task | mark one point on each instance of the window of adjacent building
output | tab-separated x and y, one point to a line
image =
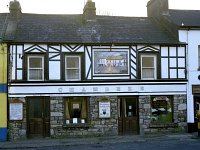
75	110
35	68
72	68
199	57
162	109
148	67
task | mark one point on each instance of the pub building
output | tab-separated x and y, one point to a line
87	74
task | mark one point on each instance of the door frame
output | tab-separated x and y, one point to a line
122	118
45	119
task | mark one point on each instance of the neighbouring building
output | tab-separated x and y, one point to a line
87	74
3	80
186	25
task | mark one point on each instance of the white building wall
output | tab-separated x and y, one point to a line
192	37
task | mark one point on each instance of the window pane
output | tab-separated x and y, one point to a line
161	109
76	107
72	68
35	62
72	74
199	57
72	62
147	61
147	73
35	74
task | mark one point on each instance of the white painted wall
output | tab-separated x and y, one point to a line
94	89
55	62
192	37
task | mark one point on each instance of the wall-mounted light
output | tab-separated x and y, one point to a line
20	56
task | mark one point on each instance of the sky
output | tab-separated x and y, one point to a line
104	7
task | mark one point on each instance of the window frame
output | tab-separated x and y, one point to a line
79	68
28	65
155	58
171	103
82	65
71	101
198	58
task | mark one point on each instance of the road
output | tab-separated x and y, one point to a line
181	144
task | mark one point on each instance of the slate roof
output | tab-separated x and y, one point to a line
106	29
189	18
2	25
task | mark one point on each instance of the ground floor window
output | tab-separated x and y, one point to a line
162	109
75	111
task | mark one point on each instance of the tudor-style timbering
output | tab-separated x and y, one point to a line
170	61
173	58
99	65
116	79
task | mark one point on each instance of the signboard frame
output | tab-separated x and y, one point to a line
104	109
16	111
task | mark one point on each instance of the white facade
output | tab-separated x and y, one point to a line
171	65
192	38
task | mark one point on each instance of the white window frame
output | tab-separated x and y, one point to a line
155	67
198	57
28	69
79	68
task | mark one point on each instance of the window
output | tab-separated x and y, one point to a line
72	68
148	67
199	57
35	68
162	109
75	110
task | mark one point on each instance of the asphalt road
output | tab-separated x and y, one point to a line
181	144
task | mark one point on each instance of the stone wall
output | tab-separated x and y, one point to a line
17	129
179	123
95	125
107	126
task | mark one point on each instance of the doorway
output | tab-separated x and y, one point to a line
128	115
38	117
196	109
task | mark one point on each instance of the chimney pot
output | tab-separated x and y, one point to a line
156	8
89	11
15	9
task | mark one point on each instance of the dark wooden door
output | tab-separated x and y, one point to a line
196	109
38	117
128	119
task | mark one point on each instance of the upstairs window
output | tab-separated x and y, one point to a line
199	57
72	67
35	68
148	67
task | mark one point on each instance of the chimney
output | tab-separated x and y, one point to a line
14	18
156	8
89	11
15	9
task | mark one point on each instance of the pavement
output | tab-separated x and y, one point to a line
52	142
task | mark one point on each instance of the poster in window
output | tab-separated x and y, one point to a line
16	111
104	109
